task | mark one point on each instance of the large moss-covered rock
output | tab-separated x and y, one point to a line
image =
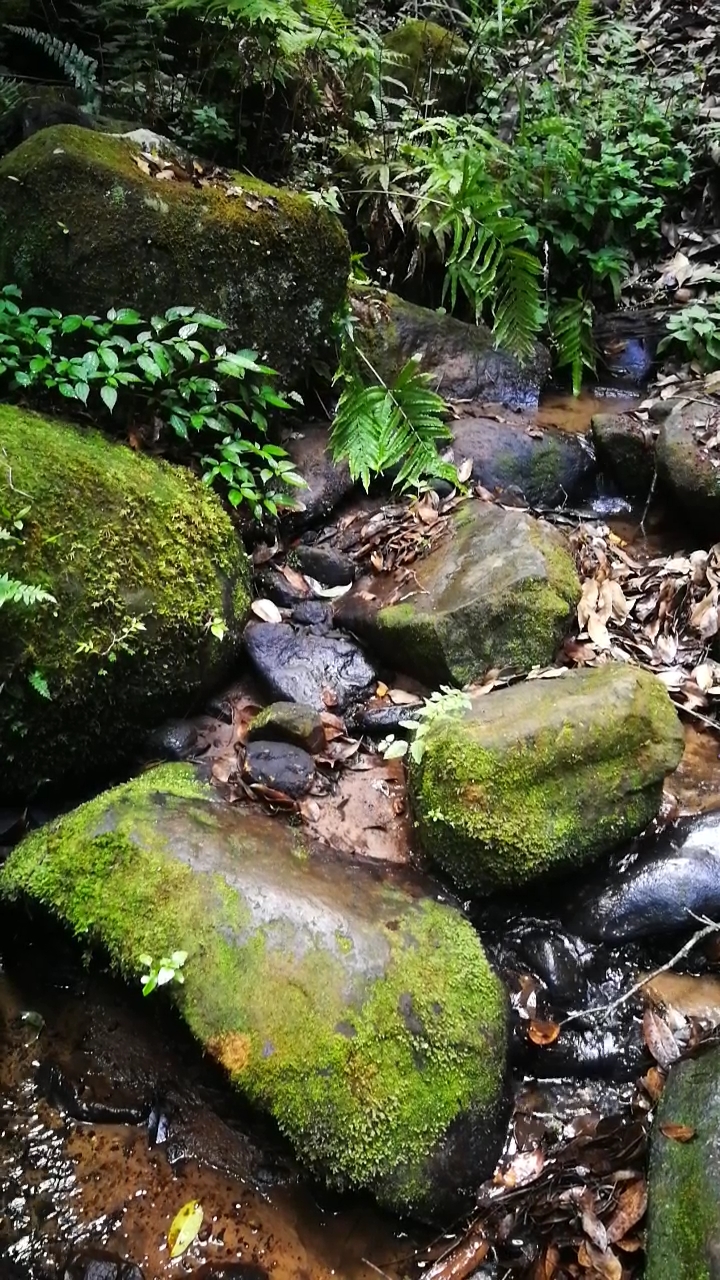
544	775
688	463
683	1236
461	359
82	227
362	1014
118	539
498	591
430	61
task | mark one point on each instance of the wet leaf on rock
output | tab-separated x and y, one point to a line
184	1228
632	1203
266	610
677	1132
659	1039
543	1033
460	1262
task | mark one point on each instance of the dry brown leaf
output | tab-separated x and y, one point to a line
602	1263
543	1033
525	1167
591	1224
704	617
659	1039
296	580
382	690
588	602
598	632
463	1260
401	698
632	1203
464	471
677	1132
266	610
653	1082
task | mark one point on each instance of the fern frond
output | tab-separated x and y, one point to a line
571	328
37	681
12	591
11	94
79	67
517	309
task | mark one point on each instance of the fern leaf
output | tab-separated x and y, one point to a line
38	682
14	592
571	330
79	67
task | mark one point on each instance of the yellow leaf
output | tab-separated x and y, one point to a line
184	1228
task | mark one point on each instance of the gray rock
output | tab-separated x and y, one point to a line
667	877
289	722
625	451
325	672
689	469
545	470
173	740
324	564
462	359
313	613
498	591
328	482
270	583
683	1230
305	975
279	765
543	776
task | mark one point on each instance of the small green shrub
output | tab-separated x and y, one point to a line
444	704
696	330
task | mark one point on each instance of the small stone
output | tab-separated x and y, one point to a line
313	613
271	584
289	722
376	721
173	740
688	469
97	1265
331	568
328	673
281	766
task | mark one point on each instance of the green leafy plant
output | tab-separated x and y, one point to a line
79	67
161	972
444	704
696	331
15	592
157	371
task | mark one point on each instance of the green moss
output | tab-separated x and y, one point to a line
84	227
364	1073
114	536
550	784
431	60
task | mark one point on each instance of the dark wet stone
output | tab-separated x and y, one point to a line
559	960
328	482
96	1265
230	1271
687	469
461	359
626	451
289	722
281	766
325	672
627	344
583	1053
313	613
61	1092
174	740
331	568
683	1229
669	876
271	584
545	469
376	721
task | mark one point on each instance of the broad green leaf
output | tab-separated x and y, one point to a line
184	1228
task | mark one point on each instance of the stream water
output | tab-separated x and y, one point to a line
111	1120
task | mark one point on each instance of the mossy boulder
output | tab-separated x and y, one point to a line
498	591
118	539
84	228
543	776
688	463
430	61
626	452
358	1011
289	722
461	359
683	1230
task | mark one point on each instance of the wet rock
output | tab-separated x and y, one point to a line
313	613
281	766
499	591
543	776
331	568
327	482
151	545
289	722
96	1265
231	1271
670	875
688	468
462	359
683	1230
379	720
611	1053
546	468
558	960
327	673
174	740
271	584
627	344
305	974
625	451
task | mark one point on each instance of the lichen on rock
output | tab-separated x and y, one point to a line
118	539
545	775
83	226
362	1014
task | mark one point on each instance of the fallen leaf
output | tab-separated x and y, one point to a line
401	698
659	1039
525	1167
543	1033
602	1263
461	1261
677	1132
381	690
598	632
266	610
184	1228
632	1203
653	1082
464	471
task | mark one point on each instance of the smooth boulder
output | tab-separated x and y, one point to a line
461	359
499	590
545	467
139	555
289	722
625	451
83	227
353	1006
683	1224
669	876
325	672
688	463
541	777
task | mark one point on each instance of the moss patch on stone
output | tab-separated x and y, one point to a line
114	536
83	227
537	778
365	1069
431	60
